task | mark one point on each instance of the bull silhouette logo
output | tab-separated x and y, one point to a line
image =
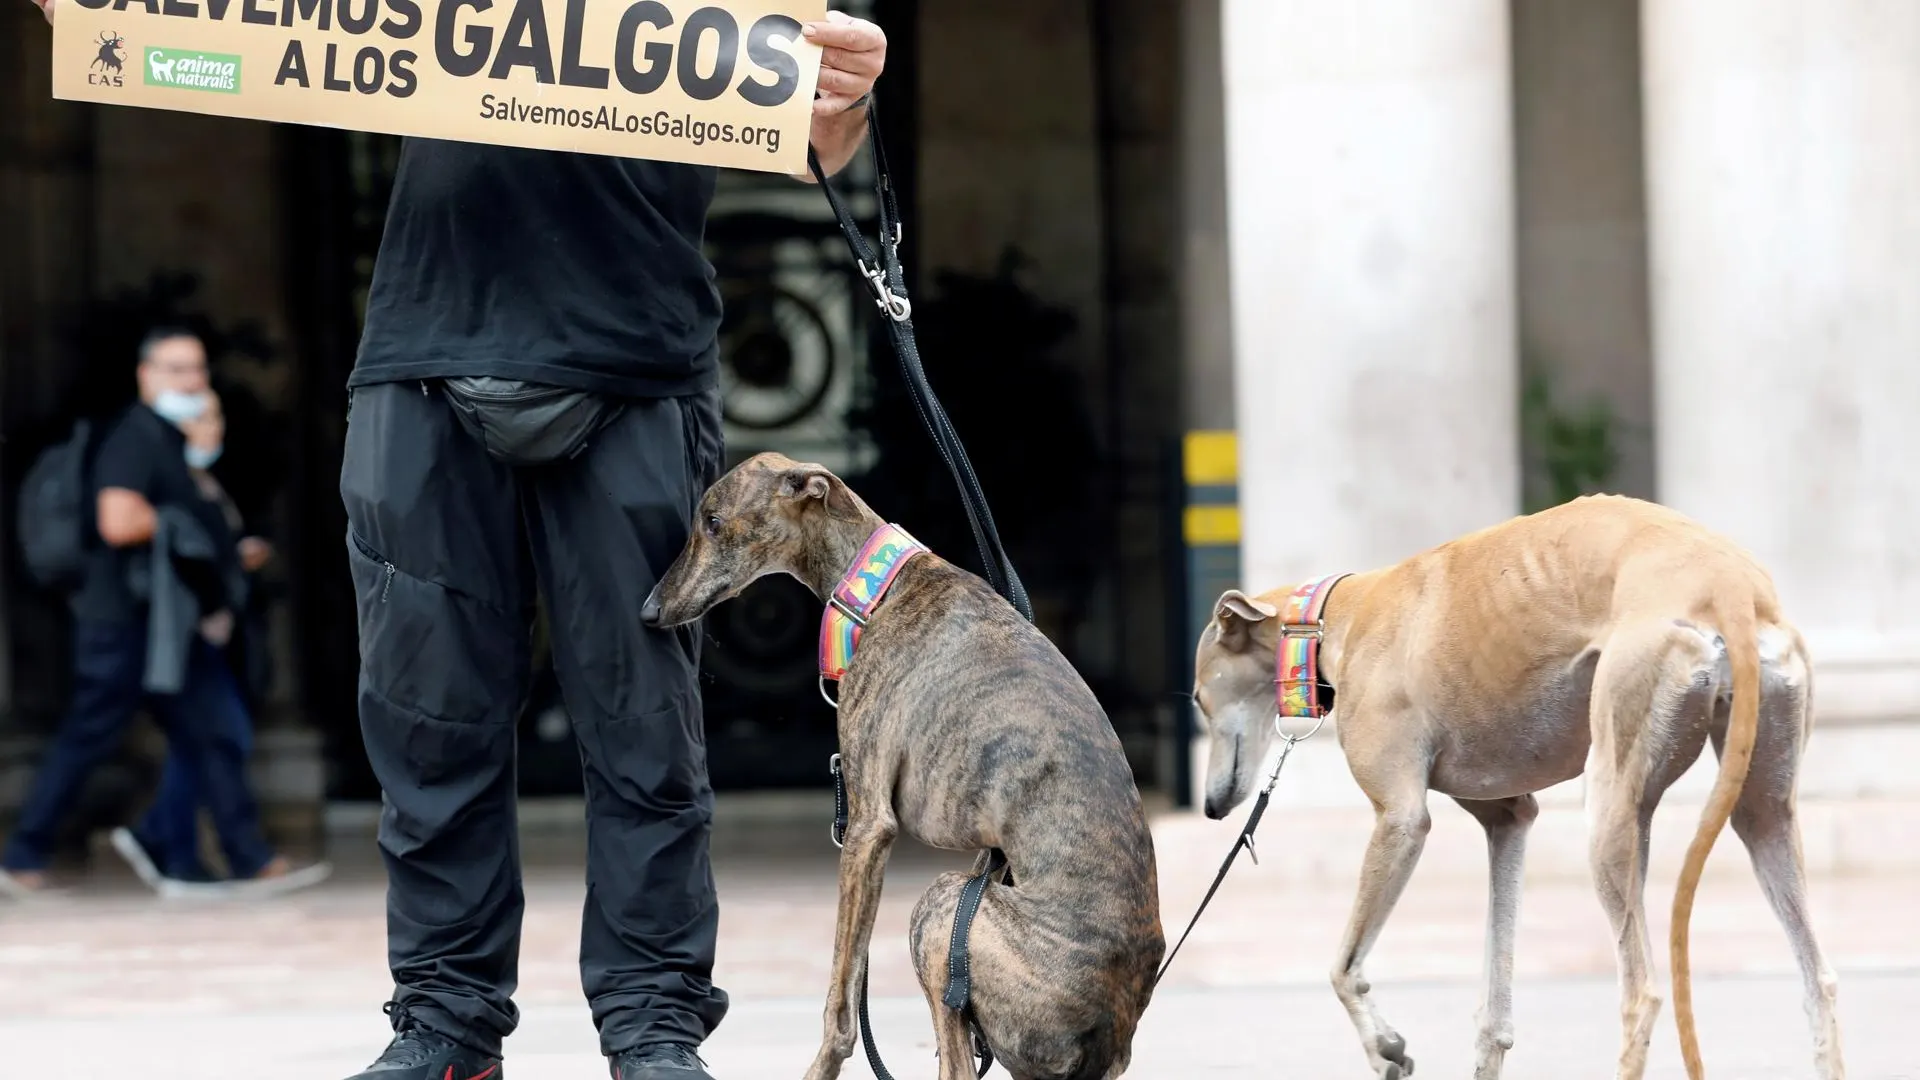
109	59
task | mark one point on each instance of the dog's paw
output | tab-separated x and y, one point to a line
1392	1049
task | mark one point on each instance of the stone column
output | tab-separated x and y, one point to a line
1783	164
1370	206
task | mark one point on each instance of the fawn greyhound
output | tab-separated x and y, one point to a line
1606	635
962	724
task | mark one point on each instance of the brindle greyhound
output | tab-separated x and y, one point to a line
962	724
1606	635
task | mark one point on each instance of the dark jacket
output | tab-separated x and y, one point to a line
174	606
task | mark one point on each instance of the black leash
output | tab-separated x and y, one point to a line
885	278
1244	840
960	960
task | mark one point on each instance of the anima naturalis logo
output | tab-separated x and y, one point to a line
183	70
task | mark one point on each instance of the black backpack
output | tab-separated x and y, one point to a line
55	515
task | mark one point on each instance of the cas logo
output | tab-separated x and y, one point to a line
108	61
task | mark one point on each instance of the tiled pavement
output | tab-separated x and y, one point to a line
198	989
1751	1030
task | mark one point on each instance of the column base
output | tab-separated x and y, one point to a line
1863	679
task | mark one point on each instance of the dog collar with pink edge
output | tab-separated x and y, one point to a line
1296	673
860	590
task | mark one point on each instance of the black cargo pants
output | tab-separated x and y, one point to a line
446	546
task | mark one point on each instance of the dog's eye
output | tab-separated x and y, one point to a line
713	525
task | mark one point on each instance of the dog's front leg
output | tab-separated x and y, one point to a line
1399	833
863	862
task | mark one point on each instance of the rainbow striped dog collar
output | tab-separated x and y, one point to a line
1297	661
860	590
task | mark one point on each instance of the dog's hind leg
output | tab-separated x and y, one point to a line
1652	700
1400	827
1766	821
1506	822
930	932
1044	1017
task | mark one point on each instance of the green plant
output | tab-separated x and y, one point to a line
1568	452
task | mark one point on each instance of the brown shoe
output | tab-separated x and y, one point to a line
281	876
24	884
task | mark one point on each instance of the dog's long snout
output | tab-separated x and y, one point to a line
650	610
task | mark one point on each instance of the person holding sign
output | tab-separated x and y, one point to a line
535	403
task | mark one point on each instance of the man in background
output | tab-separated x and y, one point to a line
164	846
141	473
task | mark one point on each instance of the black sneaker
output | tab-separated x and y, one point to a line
659	1061
420	1053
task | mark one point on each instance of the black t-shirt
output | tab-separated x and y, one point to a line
574	270
142	452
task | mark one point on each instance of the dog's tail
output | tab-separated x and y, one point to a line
1739	627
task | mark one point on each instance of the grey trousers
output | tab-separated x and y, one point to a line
447	546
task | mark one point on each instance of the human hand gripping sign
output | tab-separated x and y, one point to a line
853	53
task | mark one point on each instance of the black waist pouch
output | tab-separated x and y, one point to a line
523	423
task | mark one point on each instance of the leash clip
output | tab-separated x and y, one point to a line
897	307
836	830
1288	741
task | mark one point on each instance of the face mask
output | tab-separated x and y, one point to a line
203	457
179	408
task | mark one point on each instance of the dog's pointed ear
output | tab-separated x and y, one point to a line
1235	613
806	482
813	482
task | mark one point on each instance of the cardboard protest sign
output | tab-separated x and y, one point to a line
710	82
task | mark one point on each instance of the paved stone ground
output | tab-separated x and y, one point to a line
107	975
1752	1030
